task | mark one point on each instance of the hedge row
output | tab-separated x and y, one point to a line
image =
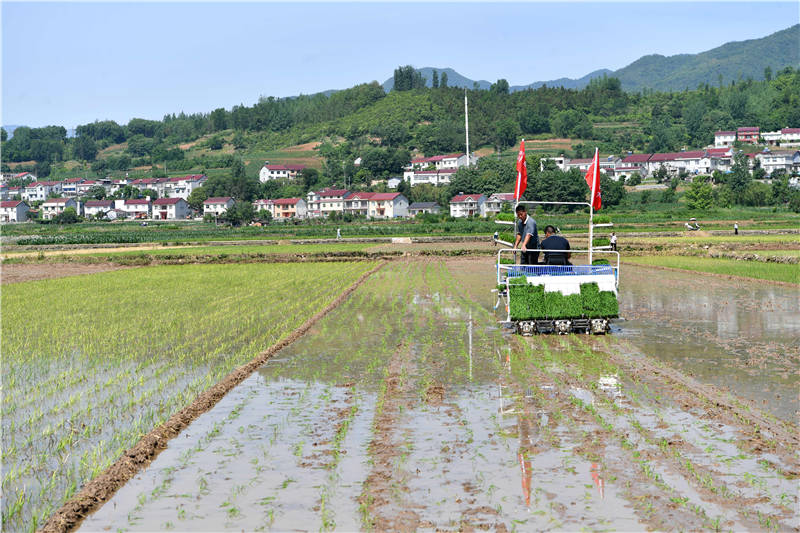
529	302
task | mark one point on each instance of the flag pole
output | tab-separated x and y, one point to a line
595	177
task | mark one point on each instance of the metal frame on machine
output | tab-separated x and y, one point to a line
555	270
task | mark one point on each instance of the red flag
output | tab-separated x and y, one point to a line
522	172
593	180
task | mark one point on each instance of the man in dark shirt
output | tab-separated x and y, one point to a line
527	237
555	242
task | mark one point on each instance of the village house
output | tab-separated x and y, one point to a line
27	176
724	138
494	204
10	193
55	206
93	208
440	162
388	205
272	172
264	205
357	203
468	205
181	186
217	205
783	137
636	161
418	208
170	209
134	207
325	202
40	190
747	134
69	187
560	162
434	177
788	160
13	211
289	208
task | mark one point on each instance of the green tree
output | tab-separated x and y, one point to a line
196	198
67	216
740	177
435	80
96	192
443	82
84	148
240	213
700	194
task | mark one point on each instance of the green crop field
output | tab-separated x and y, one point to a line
748	269
138	345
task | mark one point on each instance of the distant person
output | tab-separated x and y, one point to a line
736	228
613	241
559	246
527	237
338	234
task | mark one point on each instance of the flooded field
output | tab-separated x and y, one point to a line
409	408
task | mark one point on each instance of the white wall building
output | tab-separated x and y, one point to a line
13	211
724	138
466	205
170	209
40	190
95	207
388	205
433	177
494	204
56	206
272	172
787	160
217	205
136	207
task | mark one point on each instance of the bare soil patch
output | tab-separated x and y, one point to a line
307	147
16	273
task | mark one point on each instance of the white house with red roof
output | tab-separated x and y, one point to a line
13	211
134	207
170	209
724	138
217	205
494	204
434	177
783	137
468	205
637	161
747	134
40	190
55	206
93	208
439	162
276	171
388	205
69	187
9	193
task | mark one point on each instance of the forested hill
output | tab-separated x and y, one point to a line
734	61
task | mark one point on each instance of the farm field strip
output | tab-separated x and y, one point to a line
749	269
126	374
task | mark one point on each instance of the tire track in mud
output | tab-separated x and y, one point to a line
100	489
600	444
382	502
674	454
718	404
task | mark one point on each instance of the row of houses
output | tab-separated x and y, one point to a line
175	187
752	135
436	170
693	162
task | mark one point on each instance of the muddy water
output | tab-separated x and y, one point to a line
409	408
738	335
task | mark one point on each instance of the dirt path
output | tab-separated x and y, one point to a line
16	273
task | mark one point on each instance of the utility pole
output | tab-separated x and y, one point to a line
466	123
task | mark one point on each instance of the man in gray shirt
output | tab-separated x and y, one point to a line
527	237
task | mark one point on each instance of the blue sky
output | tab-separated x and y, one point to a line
73	63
